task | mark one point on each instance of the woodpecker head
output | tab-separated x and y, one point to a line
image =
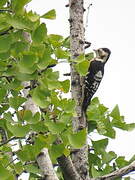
103	54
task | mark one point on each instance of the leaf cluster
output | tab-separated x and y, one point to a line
27	53
104	122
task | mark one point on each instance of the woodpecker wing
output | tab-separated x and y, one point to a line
92	81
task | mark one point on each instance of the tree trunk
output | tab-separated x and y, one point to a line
80	158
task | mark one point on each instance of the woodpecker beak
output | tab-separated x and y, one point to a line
96	52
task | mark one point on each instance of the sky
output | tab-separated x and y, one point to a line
110	24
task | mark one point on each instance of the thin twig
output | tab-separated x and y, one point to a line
6	31
10	162
87	21
67	74
87	16
118	173
11	139
5	10
88	44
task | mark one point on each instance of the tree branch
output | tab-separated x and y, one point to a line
118	173
45	165
43	159
5	10
68	169
3	135
80	158
6	31
11	139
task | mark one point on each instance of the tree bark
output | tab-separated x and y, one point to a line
118	173
68	169
43	159
80	158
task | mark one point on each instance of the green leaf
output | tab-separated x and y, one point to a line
89	56
5	174
50	14
115	113
55	128
94	172
93	113
45	60
57	150
28	63
61	54
3	66
19	5
79	58
77	140
65	86
56	40
66	43
4	107
66	118
33	16
132	159
95	160
29	59
26	77
39	127
38	49
19	22
108	157
127	178
100	145
47	140
32	169
39	34
82	67
50	80
52	75
68	105
2	94
18	130
27	116
91	126
108	169
95	101
105	128
2	2
39	144
130	127
15	102
121	162
102	109
8	116
24	115
4	56
18	47
53	84
39	96
5	43
27	153
18	167
15	84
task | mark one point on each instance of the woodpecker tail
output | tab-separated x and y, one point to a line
85	104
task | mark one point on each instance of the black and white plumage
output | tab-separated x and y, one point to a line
95	75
